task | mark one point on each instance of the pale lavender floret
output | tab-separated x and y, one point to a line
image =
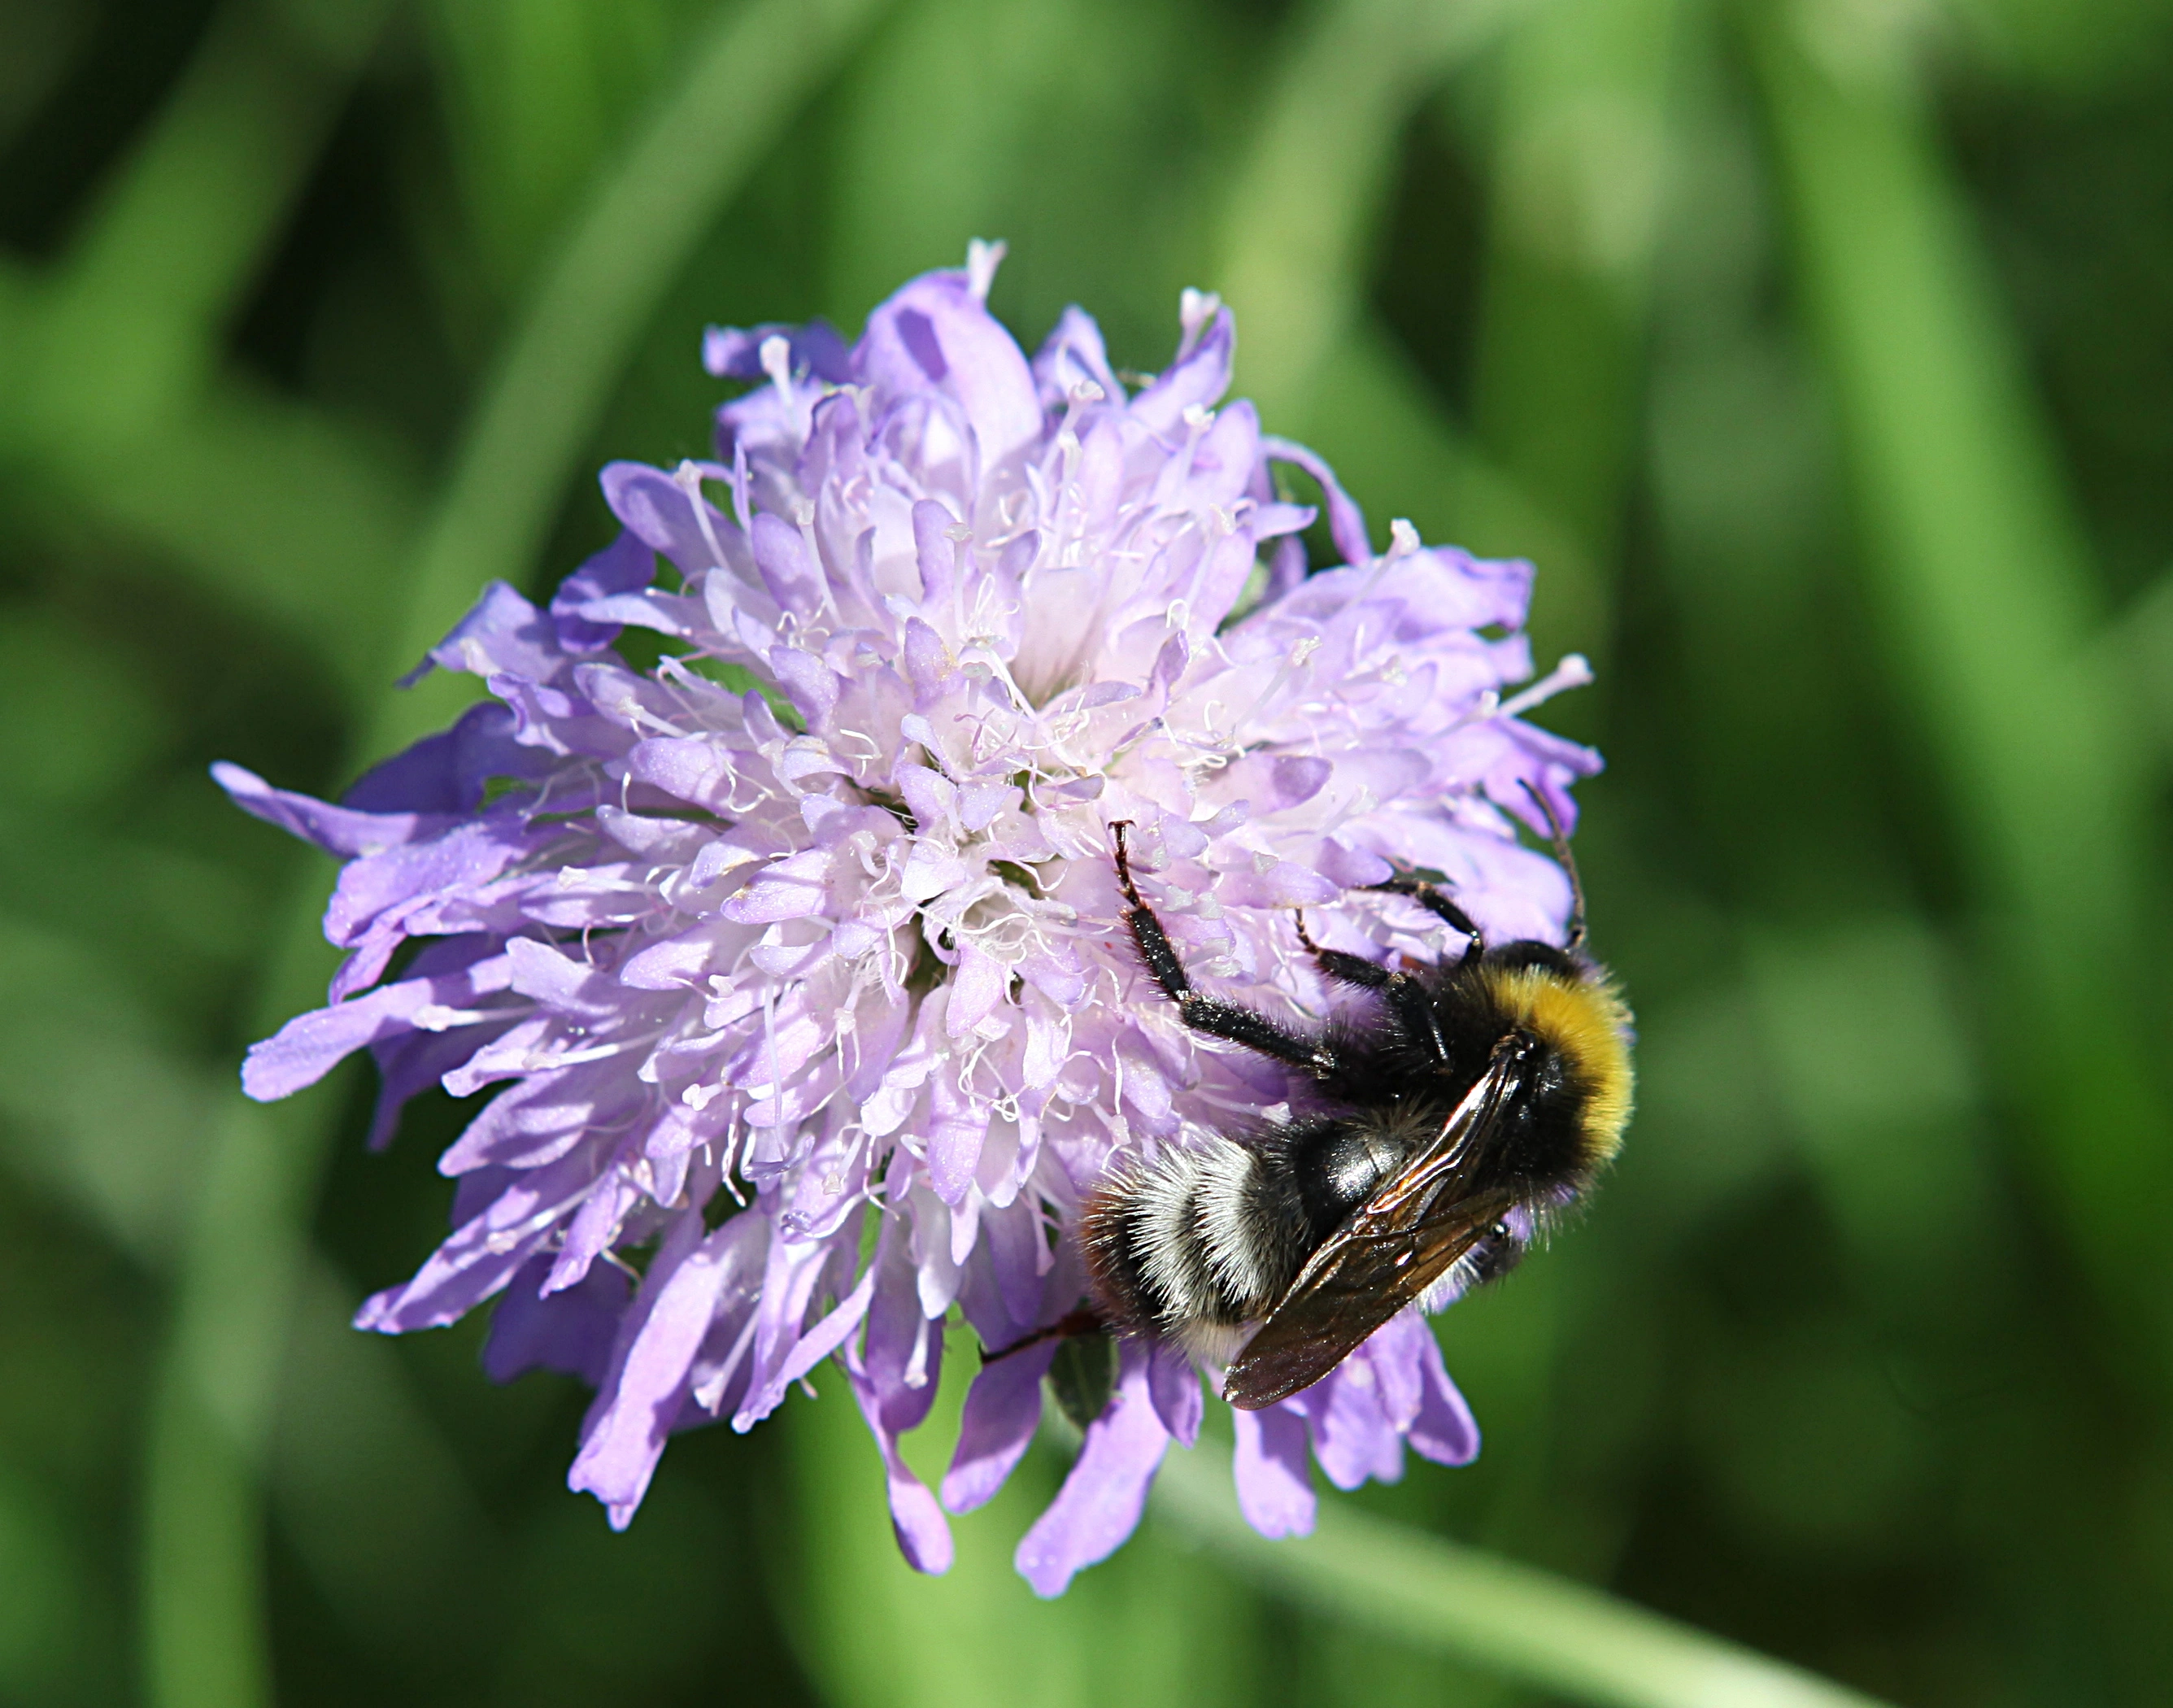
1273	1471
1100	1503
849	944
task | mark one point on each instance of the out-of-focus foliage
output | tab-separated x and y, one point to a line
1820	352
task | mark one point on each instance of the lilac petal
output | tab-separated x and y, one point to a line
936	333
812	685
446	772
1352	868
1285	884
1073	355
788	568
484	1251
894	1376
595	1226
1350	1438
902	1354
1299	778
718	1380
503	635
791	888
651	506
735	352
938	555
570	1331
623	1434
957	1130
1011	1287
1444	1431
792	1276
1174	1385
559	983
1346	522
311	1045
1393	1354
458	860
924	1535
817	1344
542	1118
1197	380
337	830
1100	1503
1003	1409
627	565
411	1062
1274	1473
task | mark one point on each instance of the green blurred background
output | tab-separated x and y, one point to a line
1820	353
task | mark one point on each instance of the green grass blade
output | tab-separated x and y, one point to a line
178	234
271	504
1581	145
744	81
1152	1627
204	1636
1988	607
1306	197
109	360
1566	1639
1294	234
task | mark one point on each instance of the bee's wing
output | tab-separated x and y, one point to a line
1393	1247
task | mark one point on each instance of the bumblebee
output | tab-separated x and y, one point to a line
1436	1132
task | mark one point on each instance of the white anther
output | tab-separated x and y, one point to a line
687	478
1195	309
776	354
982	260
1574	671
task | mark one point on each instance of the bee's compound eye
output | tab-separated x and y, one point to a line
1495	1255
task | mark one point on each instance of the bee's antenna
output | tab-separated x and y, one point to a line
1569	863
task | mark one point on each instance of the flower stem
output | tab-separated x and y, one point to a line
1529	1626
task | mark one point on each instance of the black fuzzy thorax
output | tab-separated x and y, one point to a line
1392	1090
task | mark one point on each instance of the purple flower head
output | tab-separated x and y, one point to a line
798	962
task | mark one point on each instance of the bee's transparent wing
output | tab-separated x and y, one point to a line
1393	1247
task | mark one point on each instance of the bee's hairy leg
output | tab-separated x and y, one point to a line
1431	897
1406	996
1345	968
1065	1327
1204	1014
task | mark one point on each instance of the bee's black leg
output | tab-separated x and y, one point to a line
1406	997
1204	1014
1347	969
1071	1323
1428	897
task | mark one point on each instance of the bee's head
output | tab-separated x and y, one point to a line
1568	1118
